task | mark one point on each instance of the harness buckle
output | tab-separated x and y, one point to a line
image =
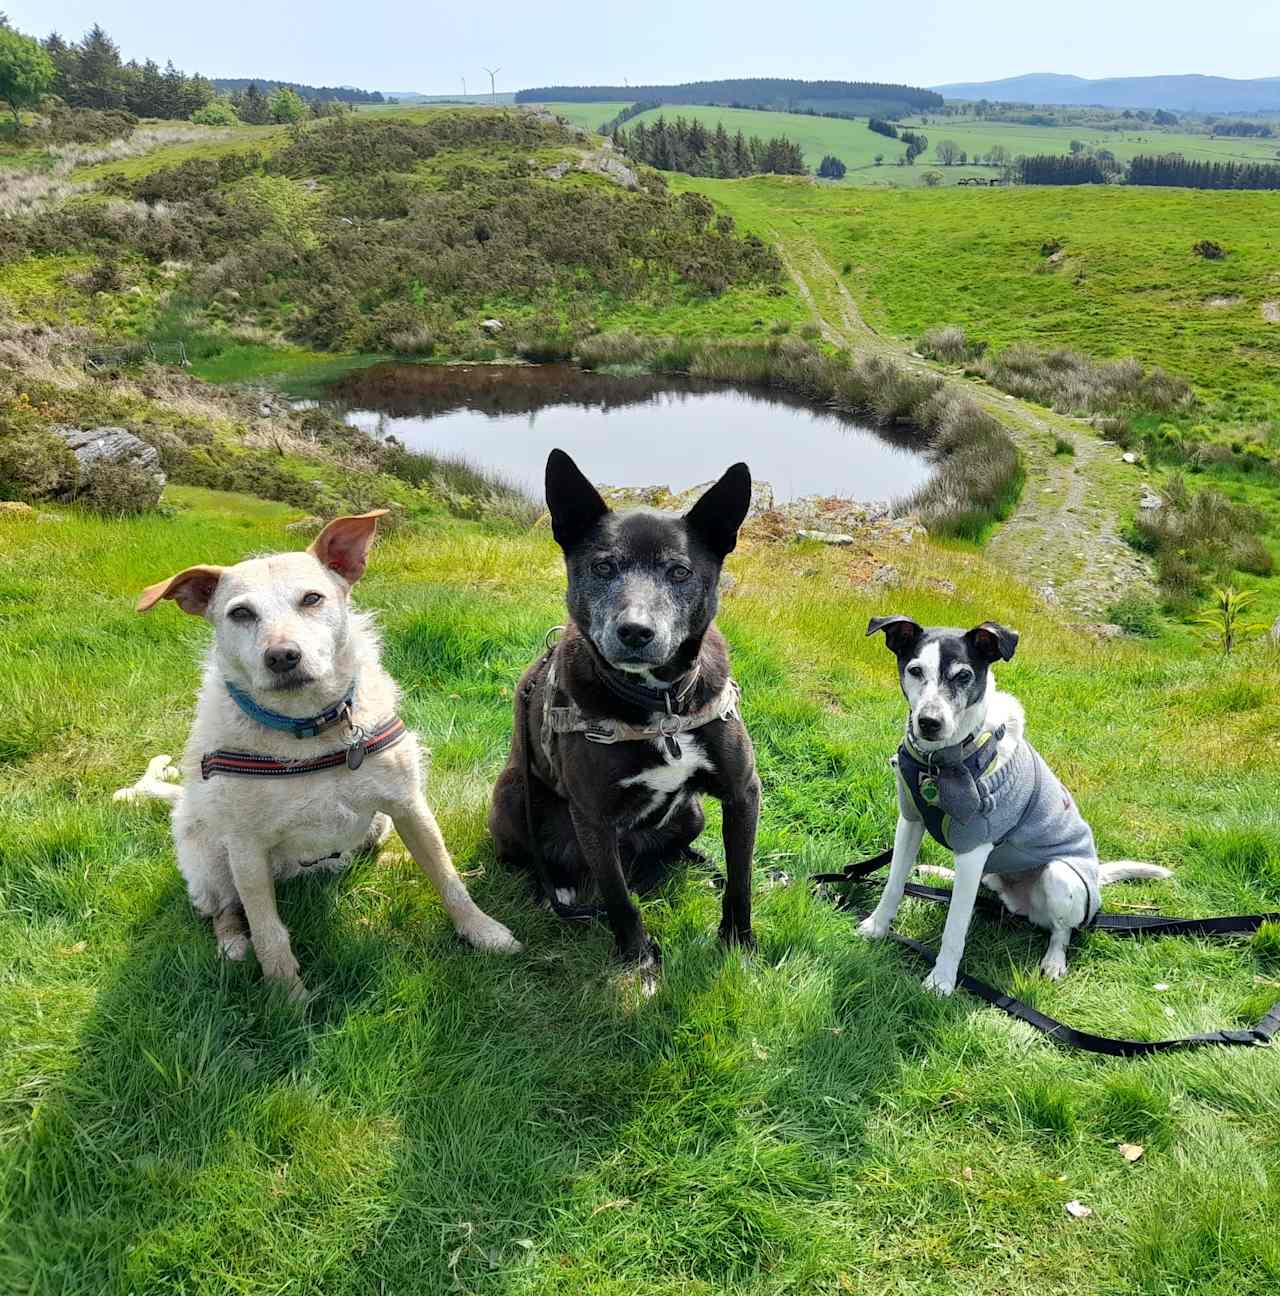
600	731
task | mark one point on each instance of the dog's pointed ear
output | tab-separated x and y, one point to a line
343	546
573	502
899	632
992	642
720	512
192	590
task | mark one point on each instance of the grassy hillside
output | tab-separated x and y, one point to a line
803	1121
1128	284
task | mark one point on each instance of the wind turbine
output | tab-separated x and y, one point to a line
464	87
493	72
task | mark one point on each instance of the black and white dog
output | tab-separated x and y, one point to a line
632	715
968	776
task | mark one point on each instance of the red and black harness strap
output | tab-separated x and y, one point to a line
1116	924
257	765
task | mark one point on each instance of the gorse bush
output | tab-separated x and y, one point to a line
384	257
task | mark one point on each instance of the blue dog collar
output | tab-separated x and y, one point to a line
298	726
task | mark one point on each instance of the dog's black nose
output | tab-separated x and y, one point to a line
634	634
282	658
929	726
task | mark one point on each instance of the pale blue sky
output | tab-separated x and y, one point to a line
395	45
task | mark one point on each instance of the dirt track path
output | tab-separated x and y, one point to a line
1063	538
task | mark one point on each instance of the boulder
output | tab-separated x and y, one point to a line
308	524
492	326
15	509
114	445
611	169
761	498
825	537
558	172
1129	457
1150	499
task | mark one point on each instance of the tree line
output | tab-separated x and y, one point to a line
748	92
233	86
1174	169
90	73
688	146
1060	169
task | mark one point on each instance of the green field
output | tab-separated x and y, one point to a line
804	1121
1129	283
587	115
856	146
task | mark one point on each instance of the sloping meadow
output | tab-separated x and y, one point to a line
804	1120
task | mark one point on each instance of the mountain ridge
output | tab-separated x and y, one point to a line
1185	92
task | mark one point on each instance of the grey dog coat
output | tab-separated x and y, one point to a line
968	796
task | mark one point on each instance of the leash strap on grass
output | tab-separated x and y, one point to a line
1116	924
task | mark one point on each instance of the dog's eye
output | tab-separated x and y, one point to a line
604	567
310	600
242	614
679	572
963	677
916	672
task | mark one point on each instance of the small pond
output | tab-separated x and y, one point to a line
625	430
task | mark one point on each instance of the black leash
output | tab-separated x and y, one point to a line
1116	924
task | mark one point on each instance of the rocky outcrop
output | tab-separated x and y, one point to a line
117	472
826	519
93	446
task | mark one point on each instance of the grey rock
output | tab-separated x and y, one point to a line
761	498
1129	457
611	169
15	508
825	537
306	524
559	171
93	446
1150	500
492	326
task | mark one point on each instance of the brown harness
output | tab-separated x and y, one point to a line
570	719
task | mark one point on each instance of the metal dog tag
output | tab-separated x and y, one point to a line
355	755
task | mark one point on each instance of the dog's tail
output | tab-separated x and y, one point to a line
1130	871
158	783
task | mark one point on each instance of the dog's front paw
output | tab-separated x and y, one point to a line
642	967
731	935
234	946
940	983
1053	967
491	936
873	928
282	973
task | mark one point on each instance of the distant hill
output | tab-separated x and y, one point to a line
346	94
861	97
1179	93
477	100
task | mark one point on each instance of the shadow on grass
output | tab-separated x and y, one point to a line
438	1120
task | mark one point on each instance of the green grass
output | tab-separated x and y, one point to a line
589	116
803	1121
856	146
1129	283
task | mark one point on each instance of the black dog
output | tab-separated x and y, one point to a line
632	715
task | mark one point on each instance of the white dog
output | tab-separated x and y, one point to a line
296	756
968	776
